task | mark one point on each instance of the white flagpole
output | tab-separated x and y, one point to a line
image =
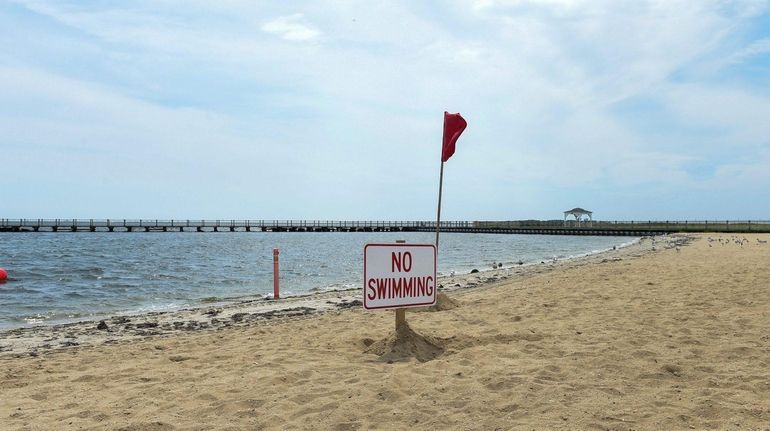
440	184
438	212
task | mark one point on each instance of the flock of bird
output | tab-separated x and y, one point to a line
741	241
668	242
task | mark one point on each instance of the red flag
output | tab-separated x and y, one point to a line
454	124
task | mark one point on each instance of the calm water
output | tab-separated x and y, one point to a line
60	276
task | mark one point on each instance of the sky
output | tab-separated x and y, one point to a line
333	110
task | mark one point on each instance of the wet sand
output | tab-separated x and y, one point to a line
674	338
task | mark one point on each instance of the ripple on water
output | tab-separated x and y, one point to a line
57	276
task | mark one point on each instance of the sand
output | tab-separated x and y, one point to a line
675	338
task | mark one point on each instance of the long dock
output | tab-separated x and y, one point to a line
138	225
531	227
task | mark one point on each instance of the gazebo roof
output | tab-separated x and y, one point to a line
578	211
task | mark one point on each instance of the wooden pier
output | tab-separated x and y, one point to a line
531	227
136	225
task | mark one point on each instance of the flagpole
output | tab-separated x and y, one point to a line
438	212
440	184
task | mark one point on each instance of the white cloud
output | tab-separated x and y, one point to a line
750	174
537	80
738	115
292	27
755	48
556	4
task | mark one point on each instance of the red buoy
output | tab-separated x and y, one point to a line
3	275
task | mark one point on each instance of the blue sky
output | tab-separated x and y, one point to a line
333	110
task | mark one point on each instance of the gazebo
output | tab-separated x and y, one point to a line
578	213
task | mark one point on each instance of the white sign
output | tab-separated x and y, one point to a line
399	275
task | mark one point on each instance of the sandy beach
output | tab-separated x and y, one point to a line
666	334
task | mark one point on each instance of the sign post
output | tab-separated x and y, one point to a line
400	312
400	317
276	276
399	276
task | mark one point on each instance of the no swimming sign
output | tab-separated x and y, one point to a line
399	275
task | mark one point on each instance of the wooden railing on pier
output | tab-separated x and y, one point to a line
670	226
130	225
542	227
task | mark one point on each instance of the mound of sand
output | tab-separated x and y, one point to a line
443	303
405	344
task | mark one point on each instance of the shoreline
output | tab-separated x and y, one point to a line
78	286
247	311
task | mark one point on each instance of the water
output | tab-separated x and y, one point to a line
62	276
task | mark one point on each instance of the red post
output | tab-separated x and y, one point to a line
276	276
